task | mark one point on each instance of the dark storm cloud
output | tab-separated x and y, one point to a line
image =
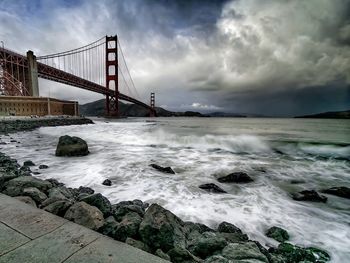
198	54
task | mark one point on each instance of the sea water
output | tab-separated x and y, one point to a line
281	155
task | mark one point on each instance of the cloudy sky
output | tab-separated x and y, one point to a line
273	57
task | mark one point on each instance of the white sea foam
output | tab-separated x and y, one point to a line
198	152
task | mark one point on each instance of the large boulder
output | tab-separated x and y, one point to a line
86	215
179	254
101	202
226	227
309	195
123	208
128	227
217	259
236	177
15	186
161	229
208	245
35	194
243	251
71	146
109	226
290	253
341	191
277	233
59	207
212	188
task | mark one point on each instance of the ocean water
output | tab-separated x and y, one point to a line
275	152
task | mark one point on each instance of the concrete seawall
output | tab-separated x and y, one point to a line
28	234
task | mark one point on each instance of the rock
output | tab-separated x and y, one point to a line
86	190
277	233
233	237
182	255
121	211
59	207
61	193
35	173
341	191
107	182
161	254
6	176
226	227
54	182
35	194
43	166
71	146
138	244
86	215
161	229
109	227
309	195
15	186
28	163
216	259
243	251
101	202
236	177
26	199
168	169
212	188
321	255
207	246
25	171
291	253
128	227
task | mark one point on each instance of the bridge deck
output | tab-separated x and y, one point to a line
28	234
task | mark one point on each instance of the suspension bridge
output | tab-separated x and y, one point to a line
98	67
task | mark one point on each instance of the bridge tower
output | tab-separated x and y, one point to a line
112	107
152	110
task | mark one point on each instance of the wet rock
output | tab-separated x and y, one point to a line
207	246
226	227
128	227
243	251
101	202
86	215
161	229
179	254
107	182
138	244
86	190
28	163
35	194
122	208
61	193
59	207
71	146
321	255
35	173
54	182
15	186
26	199
216	259
291	253
297	181
168	169
341	191
236	177
109	227
6	176
43	166
309	195
234	237
212	188
24	171
277	233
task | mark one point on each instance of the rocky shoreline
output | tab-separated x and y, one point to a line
149	227
8	125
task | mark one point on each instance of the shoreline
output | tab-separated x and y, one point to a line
150	228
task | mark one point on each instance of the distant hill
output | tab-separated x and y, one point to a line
97	108
226	114
329	115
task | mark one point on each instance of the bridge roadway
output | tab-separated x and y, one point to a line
31	235
54	74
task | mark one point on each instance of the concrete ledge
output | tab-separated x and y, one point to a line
28	234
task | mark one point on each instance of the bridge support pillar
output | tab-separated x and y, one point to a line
152	112
112	107
32	74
